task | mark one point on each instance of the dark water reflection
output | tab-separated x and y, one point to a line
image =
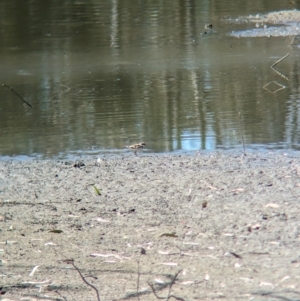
101	74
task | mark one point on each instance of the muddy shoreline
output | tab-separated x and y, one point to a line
229	223
274	24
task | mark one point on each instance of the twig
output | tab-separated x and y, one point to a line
154	292
71	261
279	73
170	288
12	90
277	62
172	282
242	132
61	295
138	281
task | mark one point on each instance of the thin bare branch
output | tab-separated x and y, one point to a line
71	261
57	292
138	281
172	282
17	94
277	62
154	292
279	73
169	296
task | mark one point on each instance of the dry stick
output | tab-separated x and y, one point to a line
169	297
154	292
12	90
280	60
279	73
170	288
242	132
138	281
171	284
277	62
61	295
71	261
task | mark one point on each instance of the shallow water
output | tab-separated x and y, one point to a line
101	75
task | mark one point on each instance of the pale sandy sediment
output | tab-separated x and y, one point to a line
245	241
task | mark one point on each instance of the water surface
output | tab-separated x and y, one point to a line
103	74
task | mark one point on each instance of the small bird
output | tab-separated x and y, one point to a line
136	147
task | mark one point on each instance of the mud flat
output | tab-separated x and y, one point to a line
228	223
287	23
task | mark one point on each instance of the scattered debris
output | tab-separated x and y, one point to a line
34	270
173	234
97	190
271	205
56	231
236	255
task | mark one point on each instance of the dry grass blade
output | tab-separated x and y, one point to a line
97	190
